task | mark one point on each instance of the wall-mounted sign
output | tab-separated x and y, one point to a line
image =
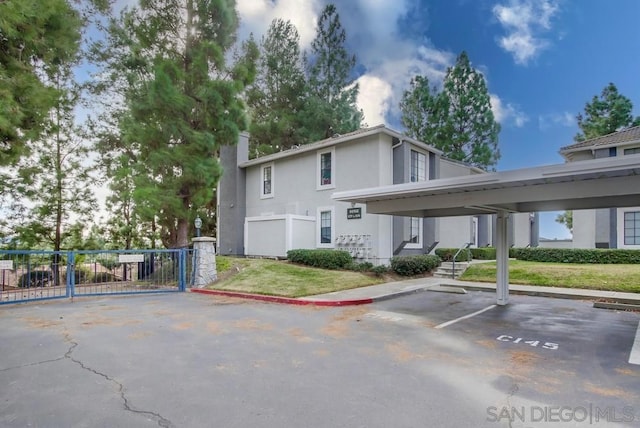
353	213
6	264
131	258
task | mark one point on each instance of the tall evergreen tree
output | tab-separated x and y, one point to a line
472	131
276	99
182	101
36	37
606	114
53	186
458	119
425	112
331	102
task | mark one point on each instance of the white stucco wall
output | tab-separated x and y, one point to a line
364	162
266	236
521	230
555	243
453	232
584	229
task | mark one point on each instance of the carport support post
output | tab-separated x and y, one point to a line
502	256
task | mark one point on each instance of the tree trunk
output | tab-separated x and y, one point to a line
182	238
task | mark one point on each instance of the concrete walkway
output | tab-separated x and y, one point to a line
374	293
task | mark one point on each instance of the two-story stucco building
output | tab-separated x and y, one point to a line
269	205
607	227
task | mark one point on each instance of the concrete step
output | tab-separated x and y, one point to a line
447	270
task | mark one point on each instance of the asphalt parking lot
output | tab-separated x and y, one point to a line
423	360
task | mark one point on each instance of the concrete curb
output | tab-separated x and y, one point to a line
283	300
304	301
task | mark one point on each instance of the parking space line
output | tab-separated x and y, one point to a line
634	357
448	323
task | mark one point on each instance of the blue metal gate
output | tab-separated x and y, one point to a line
42	275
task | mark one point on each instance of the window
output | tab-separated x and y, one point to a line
632	151
418	166
325	227
326	169
415	233
266	181
632	228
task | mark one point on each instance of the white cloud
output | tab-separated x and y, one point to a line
564	119
256	16
389	60
507	113
523	21
373	98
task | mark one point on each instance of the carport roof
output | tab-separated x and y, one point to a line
599	183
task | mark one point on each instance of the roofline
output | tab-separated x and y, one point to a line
501	179
592	147
332	141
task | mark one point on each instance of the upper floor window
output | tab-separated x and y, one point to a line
418	166
632	228
326	168
632	151
266	181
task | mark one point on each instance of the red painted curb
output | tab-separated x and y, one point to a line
284	300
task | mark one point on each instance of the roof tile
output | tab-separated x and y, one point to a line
624	136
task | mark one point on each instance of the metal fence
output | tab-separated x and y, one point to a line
42	275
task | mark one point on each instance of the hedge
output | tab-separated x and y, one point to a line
325	259
414	265
446	254
576	255
484	253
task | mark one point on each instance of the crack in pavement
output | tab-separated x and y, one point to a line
37	363
162	421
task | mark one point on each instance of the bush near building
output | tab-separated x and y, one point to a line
576	255
446	254
325	259
414	265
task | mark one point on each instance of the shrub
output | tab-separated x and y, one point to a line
485	253
359	267
380	270
104	277
108	261
414	265
35	278
576	255
80	275
325	259
446	254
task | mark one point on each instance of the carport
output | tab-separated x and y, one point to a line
600	183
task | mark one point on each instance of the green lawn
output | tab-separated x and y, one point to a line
280	278
610	277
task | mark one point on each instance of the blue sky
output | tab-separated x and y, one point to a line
542	59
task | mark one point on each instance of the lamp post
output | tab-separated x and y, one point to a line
198	224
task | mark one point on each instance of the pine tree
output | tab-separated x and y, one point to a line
36	38
425	111
606	114
331	101
182	102
276	99
458	119
472	131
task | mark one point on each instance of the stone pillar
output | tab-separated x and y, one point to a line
204	272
